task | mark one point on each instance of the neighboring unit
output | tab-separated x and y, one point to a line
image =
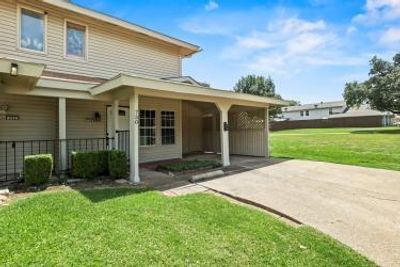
330	115
335	110
314	111
75	79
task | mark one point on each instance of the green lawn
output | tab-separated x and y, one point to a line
124	227
368	147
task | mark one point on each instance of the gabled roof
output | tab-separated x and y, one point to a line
186	79
187	49
321	105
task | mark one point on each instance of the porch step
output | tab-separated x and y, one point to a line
185	190
207	175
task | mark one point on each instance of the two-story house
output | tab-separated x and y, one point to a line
75	79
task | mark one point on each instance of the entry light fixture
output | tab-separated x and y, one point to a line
14	69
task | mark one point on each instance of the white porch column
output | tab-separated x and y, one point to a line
62	132
115	122
224	110
266	132
134	137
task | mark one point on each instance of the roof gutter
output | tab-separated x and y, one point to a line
124	24
123	80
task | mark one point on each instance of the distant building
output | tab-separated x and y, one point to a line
333	110
315	111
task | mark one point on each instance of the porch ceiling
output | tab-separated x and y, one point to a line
27	74
170	89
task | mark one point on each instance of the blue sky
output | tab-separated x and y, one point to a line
309	47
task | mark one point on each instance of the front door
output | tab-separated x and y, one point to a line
123	119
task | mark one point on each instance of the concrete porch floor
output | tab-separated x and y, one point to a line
162	181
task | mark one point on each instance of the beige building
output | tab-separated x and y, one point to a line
74	79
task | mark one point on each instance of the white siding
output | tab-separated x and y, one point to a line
315	114
247	133
111	50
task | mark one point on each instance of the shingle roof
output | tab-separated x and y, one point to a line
362	111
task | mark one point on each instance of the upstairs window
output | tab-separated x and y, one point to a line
307	113
32	30
76	36
302	113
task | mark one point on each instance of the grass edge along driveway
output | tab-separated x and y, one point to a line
128	227
366	147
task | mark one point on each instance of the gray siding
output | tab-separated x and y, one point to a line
79	124
192	125
162	152
38	118
111	50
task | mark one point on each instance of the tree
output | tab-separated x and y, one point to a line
381	91
256	85
261	86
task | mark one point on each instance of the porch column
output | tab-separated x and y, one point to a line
115	122
62	132
266	132
224	110
134	137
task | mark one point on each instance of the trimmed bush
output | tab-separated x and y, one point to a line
103	162
118	164
38	169
85	165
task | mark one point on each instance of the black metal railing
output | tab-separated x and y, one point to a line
12	154
123	142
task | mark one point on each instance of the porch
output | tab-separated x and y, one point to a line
151	119
167	129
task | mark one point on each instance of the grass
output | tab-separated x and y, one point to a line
189	165
368	147
121	227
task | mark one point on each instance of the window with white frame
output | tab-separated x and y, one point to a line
302	113
168	127
32	30
147	127
76	36
307	113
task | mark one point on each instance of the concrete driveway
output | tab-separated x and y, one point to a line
358	206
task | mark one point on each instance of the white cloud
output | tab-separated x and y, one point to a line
286	46
351	29
255	41
211	5
391	37
295	25
377	11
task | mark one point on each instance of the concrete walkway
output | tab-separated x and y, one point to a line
358	206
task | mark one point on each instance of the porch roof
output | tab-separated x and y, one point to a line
170	88
28	73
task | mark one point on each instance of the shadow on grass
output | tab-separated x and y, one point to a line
101	195
380	131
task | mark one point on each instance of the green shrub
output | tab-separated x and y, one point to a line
38	169
85	164
103	162
189	165
118	164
